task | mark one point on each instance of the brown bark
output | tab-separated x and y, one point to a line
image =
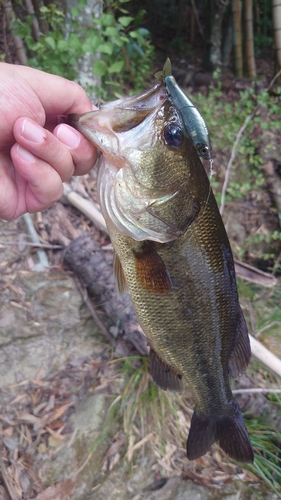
18	43
276	14
237	37
94	266
215	57
249	36
34	24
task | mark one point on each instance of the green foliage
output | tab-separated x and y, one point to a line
263	25
53	52
224	119
122	44
266	442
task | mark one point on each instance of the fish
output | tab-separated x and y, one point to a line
194	121
173	257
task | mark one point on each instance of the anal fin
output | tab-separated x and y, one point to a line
241	353
163	375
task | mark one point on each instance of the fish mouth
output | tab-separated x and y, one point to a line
121	115
146	99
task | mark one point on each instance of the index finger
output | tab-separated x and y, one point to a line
56	94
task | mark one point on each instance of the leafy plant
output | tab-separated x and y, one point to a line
267	464
224	118
122	45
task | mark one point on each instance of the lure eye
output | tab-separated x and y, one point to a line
203	151
173	135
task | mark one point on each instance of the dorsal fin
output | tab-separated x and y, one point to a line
241	353
151	272
163	375
119	275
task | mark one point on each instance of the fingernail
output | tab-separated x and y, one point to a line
68	136
25	155
32	132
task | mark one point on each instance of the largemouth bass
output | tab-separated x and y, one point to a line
174	258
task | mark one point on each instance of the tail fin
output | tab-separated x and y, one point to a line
230	432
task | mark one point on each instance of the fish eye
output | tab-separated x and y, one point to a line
173	135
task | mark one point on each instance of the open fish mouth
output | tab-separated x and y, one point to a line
120	115
124	130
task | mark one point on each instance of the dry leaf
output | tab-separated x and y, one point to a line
57	492
27	418
10	442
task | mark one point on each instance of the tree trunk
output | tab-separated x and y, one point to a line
249	35
227	43
276	14
85	63
237	37
215	55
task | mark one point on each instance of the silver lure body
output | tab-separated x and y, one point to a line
193	120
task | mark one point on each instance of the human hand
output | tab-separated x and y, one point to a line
36	154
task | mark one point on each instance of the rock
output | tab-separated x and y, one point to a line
41	324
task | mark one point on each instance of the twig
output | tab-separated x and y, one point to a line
256	390
42	257
83	465
232	157
236	143
267	327
273	80
48	246
7	480
91	308
197	19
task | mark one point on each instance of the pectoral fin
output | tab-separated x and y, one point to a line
119	275
240	356
163	375
151	272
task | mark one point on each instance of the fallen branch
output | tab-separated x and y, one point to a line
266	357
87	207
254	275
86	259
257	390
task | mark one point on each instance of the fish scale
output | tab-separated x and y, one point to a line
174	258
176	340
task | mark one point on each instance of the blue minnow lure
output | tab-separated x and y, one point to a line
193	120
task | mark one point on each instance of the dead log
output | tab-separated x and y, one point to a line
94	266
